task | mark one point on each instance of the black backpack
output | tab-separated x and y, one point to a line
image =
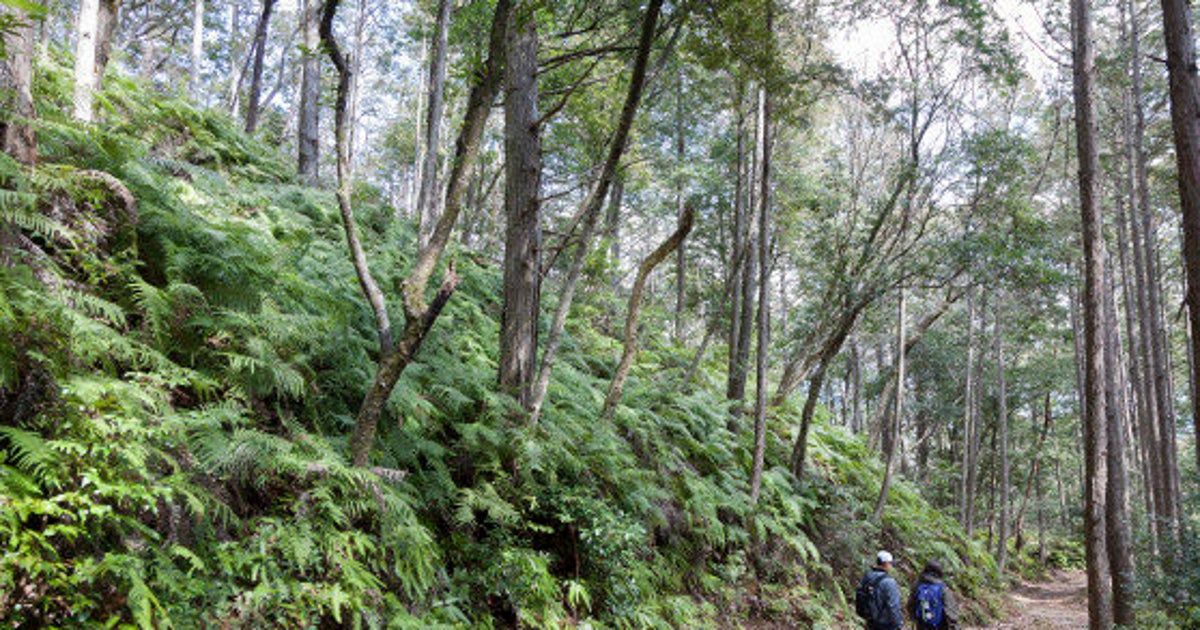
868	602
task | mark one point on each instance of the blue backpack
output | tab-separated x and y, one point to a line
929	604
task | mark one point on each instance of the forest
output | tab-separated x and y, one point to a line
596	313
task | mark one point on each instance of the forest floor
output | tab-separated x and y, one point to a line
1057	604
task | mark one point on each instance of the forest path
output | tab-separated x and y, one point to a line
1058	604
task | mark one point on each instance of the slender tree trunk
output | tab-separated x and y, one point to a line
748	263
309	126
107	19
966	491
764	296
17	113
891	434
259	51
419	315
590	211
1185	124
194	80
612	230
1002	439
635	304
235	53
435	88
1095	434
1034	474
681	252
735	379
85	60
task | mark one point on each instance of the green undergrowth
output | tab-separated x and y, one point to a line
182	379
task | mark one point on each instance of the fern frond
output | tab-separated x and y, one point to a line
34	455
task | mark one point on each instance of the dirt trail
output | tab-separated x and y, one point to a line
1058	604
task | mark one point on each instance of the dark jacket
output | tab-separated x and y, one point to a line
949	606
889	590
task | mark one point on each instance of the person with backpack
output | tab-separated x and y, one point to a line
877	598
930	603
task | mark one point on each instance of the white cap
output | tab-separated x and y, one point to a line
883	557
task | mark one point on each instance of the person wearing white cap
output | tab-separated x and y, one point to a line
877	599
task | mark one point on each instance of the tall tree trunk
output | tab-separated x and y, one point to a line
1095	434
735	385
764	292
85	60
1002	439
967	489
17	113
309	126
635	304
1120	537
198	49
747	264
681	251
236	72
107	19
523	231
259	51
419	315
590	211
435	88
891	434
612	230
1185	125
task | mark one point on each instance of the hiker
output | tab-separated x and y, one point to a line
877	599
930	603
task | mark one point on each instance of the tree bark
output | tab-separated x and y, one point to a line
635	304
1185	125
309	126
1095	434
523	231
259	50
17	112
107	19
1120	537
435	88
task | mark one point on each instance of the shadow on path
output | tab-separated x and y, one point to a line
1058	604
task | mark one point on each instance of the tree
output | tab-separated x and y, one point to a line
85	60
589	211
1185	127
17	132
396	352
1095	409
435	88
257	51
522	192
309	126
